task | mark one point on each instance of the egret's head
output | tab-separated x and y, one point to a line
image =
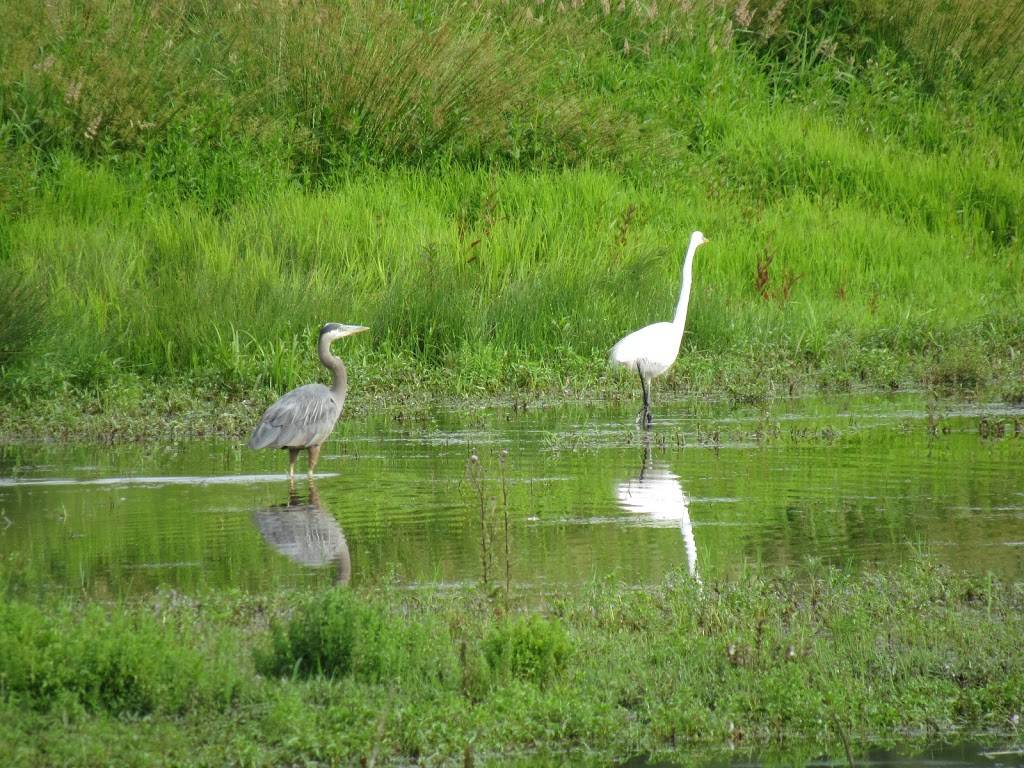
697	238
333	331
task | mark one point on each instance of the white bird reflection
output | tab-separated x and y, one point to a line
657	493
306	533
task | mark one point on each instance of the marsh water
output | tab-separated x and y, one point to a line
938	755
856	482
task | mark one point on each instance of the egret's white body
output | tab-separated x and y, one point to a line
653	349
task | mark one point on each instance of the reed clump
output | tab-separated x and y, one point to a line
203	95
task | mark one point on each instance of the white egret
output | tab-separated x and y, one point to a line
652	350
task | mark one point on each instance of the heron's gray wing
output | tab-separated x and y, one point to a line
303	417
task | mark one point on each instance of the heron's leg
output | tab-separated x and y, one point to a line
642	416
645	385
293	454
314	456
647	408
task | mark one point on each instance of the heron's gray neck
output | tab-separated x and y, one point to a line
337	368
684	294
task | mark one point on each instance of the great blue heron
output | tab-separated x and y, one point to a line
306	533
652	350
305	417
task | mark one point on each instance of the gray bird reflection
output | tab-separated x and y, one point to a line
657	494
306	533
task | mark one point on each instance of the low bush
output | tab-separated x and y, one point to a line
337	634
119	663
530	648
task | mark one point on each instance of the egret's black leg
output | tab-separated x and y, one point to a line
645	414
647	406
641	416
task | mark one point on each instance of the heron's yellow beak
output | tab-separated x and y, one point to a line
351	330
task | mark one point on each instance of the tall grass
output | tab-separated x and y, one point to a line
216	96
501	189
20	322
524	266
980	44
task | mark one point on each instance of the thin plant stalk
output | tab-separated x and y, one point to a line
504	512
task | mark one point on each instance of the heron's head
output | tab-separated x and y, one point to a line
697	238
333	331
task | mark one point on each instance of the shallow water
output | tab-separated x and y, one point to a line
964	755
857	482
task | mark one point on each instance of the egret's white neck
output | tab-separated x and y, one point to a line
679	321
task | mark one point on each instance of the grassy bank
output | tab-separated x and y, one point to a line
500	193
133	408
787	662
482	285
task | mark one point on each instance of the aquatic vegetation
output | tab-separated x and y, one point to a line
784	660
337	634
490	507
530	648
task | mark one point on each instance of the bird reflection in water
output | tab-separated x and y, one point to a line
657	493
306	533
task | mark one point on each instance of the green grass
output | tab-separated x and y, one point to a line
446	266
120	663
188	196
784	662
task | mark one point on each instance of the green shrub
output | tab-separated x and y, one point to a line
338	634
1014	393
118	663
528	648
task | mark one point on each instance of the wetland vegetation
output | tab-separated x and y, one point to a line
500	191
681	670
853	576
